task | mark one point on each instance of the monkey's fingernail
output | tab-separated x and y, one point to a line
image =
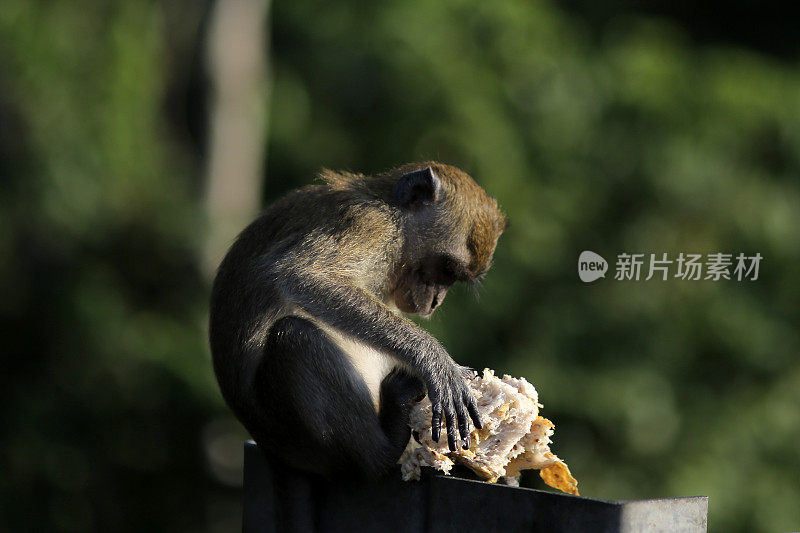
466	443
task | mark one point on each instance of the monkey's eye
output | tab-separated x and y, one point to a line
454	270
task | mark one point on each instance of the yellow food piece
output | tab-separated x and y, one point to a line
528	460
438	455
502	411
513	437
559	477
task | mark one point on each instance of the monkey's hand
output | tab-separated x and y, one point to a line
450	395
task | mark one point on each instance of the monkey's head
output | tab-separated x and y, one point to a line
451	228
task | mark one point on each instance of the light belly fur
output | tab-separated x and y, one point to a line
372	364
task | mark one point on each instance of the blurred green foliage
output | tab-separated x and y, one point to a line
636	140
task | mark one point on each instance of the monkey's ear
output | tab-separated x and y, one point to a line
417	189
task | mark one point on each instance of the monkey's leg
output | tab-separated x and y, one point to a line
320	408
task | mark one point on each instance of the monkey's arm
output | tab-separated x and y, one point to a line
342	304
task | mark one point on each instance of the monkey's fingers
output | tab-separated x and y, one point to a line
436	422
463	425
472	407
450	420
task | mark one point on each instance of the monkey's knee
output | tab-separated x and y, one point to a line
296	334
284	369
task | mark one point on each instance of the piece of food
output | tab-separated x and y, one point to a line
514	437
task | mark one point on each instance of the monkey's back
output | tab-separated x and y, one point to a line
315	230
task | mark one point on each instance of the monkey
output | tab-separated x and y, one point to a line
310	343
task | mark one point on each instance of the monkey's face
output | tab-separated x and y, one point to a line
452	225
423	286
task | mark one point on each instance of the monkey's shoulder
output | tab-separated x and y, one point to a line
320	228
320	210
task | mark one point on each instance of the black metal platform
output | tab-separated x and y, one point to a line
439	503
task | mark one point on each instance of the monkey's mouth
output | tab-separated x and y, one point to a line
422	300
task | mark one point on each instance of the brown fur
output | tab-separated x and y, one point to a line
464	200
